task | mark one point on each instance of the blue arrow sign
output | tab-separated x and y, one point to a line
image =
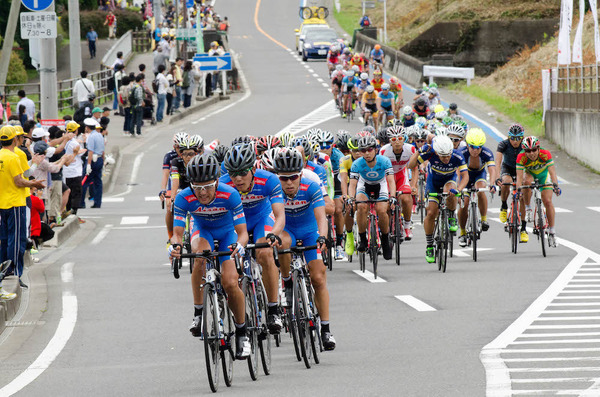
37	5
209	64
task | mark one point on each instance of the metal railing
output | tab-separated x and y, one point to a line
142	41
575	88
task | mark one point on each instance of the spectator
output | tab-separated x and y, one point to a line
104	121
187	86
111	21
85	110
365	21
72	172
22	115
56	186
223	25
179	81
82	88
39	134
2	115
92	36
29	105
136	101
46	167
96	114
13	230
215	50
95	163
105	110
171	80
161	95
118	61
160	58
118	73
37	210
124	101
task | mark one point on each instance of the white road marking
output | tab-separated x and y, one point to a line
467	252
315	75
550	380
57	343
367	275
151	198
310	70
100	236
134	220
325	85
317	116
138	227
320	80
183	264
555	341
415	303
113	199
560	334
597	209
134	171
360	118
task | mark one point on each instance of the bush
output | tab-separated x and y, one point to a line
126	20
16	70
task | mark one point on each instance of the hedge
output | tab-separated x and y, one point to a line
126	20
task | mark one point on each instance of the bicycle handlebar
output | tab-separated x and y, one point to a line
536	186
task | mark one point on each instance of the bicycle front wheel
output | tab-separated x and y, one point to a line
252	325
228	336
212	340
301	313
315	326
397	235
541	227
445	233
474	230
373	243
264	337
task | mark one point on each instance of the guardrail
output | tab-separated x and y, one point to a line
124	44
448	72
575	88
141	41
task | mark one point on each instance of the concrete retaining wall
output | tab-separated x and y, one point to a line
402	65
576	133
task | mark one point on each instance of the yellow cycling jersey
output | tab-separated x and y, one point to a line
346	164
369	98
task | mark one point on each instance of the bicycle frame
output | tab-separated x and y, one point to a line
442	233
373	239
540	221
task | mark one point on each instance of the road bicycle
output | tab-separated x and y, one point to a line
350	106
513	223
373	242
397	227
421	199
474	218
540	221
330	242
443	237
303	317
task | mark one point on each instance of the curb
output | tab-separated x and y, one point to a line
10	308
202	104
62	234
108	179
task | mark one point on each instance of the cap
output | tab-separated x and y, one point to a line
72	126
90	122
214	43
39	133
96	110
19	130
40	147
7	133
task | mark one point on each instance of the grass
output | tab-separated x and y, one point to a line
348	17
517	111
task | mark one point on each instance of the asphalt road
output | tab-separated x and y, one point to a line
131	318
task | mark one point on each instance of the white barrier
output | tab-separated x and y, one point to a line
448	72
124	44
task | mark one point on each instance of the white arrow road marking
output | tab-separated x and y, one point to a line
415	303
113	199
597	209
367	275
467	252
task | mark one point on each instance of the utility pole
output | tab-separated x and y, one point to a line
9	39
74	38
176	27
385	21
48	83
157	10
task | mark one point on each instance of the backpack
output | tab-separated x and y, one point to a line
110	83
79	114
186	80
133	101
155	86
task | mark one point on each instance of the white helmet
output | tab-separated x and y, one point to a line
356	68
349	73
339	67
407	111
433	91
364	76
385	87
443	145
441	115
370	89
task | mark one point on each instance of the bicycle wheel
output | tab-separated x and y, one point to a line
188	248
228	336
315	325
445	234
474	229
397	235
252	325
330	243
373	243
361	260
210	333
264	337
175	267
514	226
438	242
293	325
302	325
540	226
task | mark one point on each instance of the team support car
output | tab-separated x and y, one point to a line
317	43
305	27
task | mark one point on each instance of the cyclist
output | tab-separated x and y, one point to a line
385	104
478	158
349	89
377	80
265	216
447	172
362	86
357	61
399	152
396	89
267	142
165	183
421	108
218	215
372	177
336	81
408	117
456	134
179	179
433	97
345	167
220	152
287	138
506	156
346	57
369	105
453	109
535	164
333	58
304	220
377	57
341	142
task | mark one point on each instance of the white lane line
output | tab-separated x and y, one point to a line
573	326
578	318
547	359
310	70
57	343
550	380
247	94
367	275
567	369
560	334
315	75
325	85
134	171
415	303
597	209
571	311
138	227
360	118
576	349
100	236
555	342
151	198
113	199
320	80
466	252
320	115
134	220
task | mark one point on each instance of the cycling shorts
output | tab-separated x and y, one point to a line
542	178
371	107
476	176
378	191
388	110
308	238
224	237
338	83
506	170
261	226
337	186
348	89
438	187
402	180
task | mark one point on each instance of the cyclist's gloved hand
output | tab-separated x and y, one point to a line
272	238
499	181
174	250
492	189
238	249
556	189
393	201
322	243
162	194
518	194
454	192
426	148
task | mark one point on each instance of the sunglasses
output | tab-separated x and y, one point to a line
516	138
188	154
240	173
292	177
455	139
420	140
474	147
530	150
396	138
204	187
368	149
325	145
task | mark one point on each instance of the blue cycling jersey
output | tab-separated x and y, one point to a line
224	212
299	210
167	159
265	191
382	168
223	169
350	83
364	84
386	100
408	122
319	170
437	170
336	157
486	158
377	55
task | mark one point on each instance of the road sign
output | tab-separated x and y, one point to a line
211	63
187	34
369	4
38	25
189	3
37	5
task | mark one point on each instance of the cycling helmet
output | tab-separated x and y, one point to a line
364	76
438	108
396	131
367	142
433	85
241	139
382	136
267	160
457	130
339	67
220	151
420	102
413	130
341	141
453	106
287	138
407	111
355	68
306	145
370	89
475	137
376	72
433	91
443	146
516	130
288	160
324	136
447	121
353	143
441	130
441	114
346	50
349	73
370	130
91	96
180	138
377	47
457	117
421	134
203	168
356	57
196	141
312	134
385	87
394	80
463	124
334	48
240	158
530	142
267	142
421	121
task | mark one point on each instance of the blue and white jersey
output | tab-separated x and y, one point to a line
386	100
299	210
224	212
336	157
363	84
486	158
437	169
265	191
361	170
377	55
349	83
319	170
